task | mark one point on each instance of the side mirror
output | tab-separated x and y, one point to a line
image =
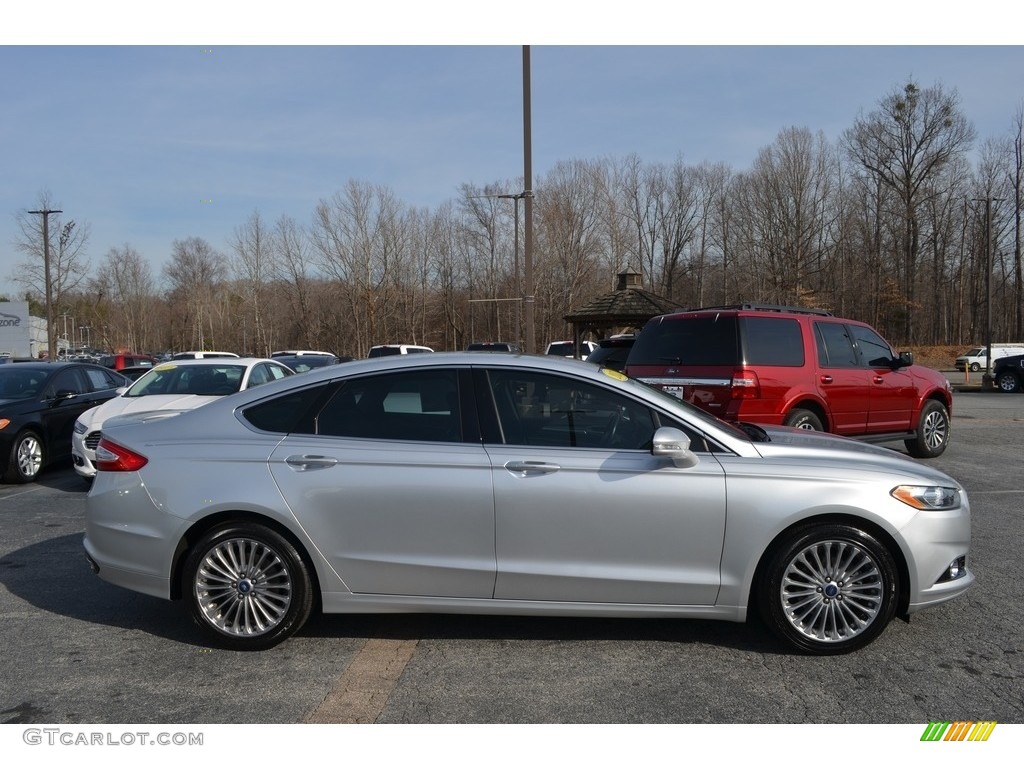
905	359
673	443
61	395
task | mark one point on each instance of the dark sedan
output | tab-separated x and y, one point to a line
612	352
39	403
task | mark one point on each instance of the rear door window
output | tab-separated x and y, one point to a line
835	346
413	405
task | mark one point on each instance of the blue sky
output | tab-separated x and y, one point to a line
134	138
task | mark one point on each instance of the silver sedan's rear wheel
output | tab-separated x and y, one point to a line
829	589
248	586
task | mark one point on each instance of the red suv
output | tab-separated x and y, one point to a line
796	367
120	360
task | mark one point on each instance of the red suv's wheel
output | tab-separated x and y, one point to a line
801	418
932	432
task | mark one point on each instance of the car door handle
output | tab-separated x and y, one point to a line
826	379
531	467
303	463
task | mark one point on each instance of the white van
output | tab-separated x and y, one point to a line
975	358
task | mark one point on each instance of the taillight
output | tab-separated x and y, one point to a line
745	385
111	457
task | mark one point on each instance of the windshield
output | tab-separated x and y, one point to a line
170	379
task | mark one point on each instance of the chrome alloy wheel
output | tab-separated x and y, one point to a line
935	429
832	591
30	456
243	587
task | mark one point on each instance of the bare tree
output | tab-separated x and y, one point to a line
293	270
253	267
903	144
1016	180
196	273
125	282
788	212
359	241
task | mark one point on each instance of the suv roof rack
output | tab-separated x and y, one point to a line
770	308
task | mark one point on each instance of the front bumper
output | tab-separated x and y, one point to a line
83	457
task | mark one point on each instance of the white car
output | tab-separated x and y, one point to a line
178	385
568	349
386	350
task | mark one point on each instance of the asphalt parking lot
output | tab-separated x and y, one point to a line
77	650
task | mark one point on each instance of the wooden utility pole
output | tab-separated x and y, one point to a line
51	347
531	341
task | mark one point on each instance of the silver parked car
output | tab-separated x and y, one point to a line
461	483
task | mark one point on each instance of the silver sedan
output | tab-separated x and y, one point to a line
521	485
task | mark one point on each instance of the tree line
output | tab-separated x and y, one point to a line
891	224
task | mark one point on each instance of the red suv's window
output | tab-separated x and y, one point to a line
772	341
702	340
835	347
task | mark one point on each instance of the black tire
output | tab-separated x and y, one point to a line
247	586
804	419
975	367
27	459
933	428
1007	381
828	589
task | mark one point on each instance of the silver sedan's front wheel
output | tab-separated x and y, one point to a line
248	586
829	589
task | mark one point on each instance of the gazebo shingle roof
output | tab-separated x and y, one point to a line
629	306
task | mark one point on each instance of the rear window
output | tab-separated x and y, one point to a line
291	412
700	340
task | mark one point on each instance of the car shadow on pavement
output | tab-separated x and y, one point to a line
53	576
751	637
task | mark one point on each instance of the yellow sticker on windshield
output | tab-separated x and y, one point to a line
614	374
165	367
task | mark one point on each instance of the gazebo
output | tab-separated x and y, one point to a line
628	307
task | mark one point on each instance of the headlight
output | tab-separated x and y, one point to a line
927	496
80	428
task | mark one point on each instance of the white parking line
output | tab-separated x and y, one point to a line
362	691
